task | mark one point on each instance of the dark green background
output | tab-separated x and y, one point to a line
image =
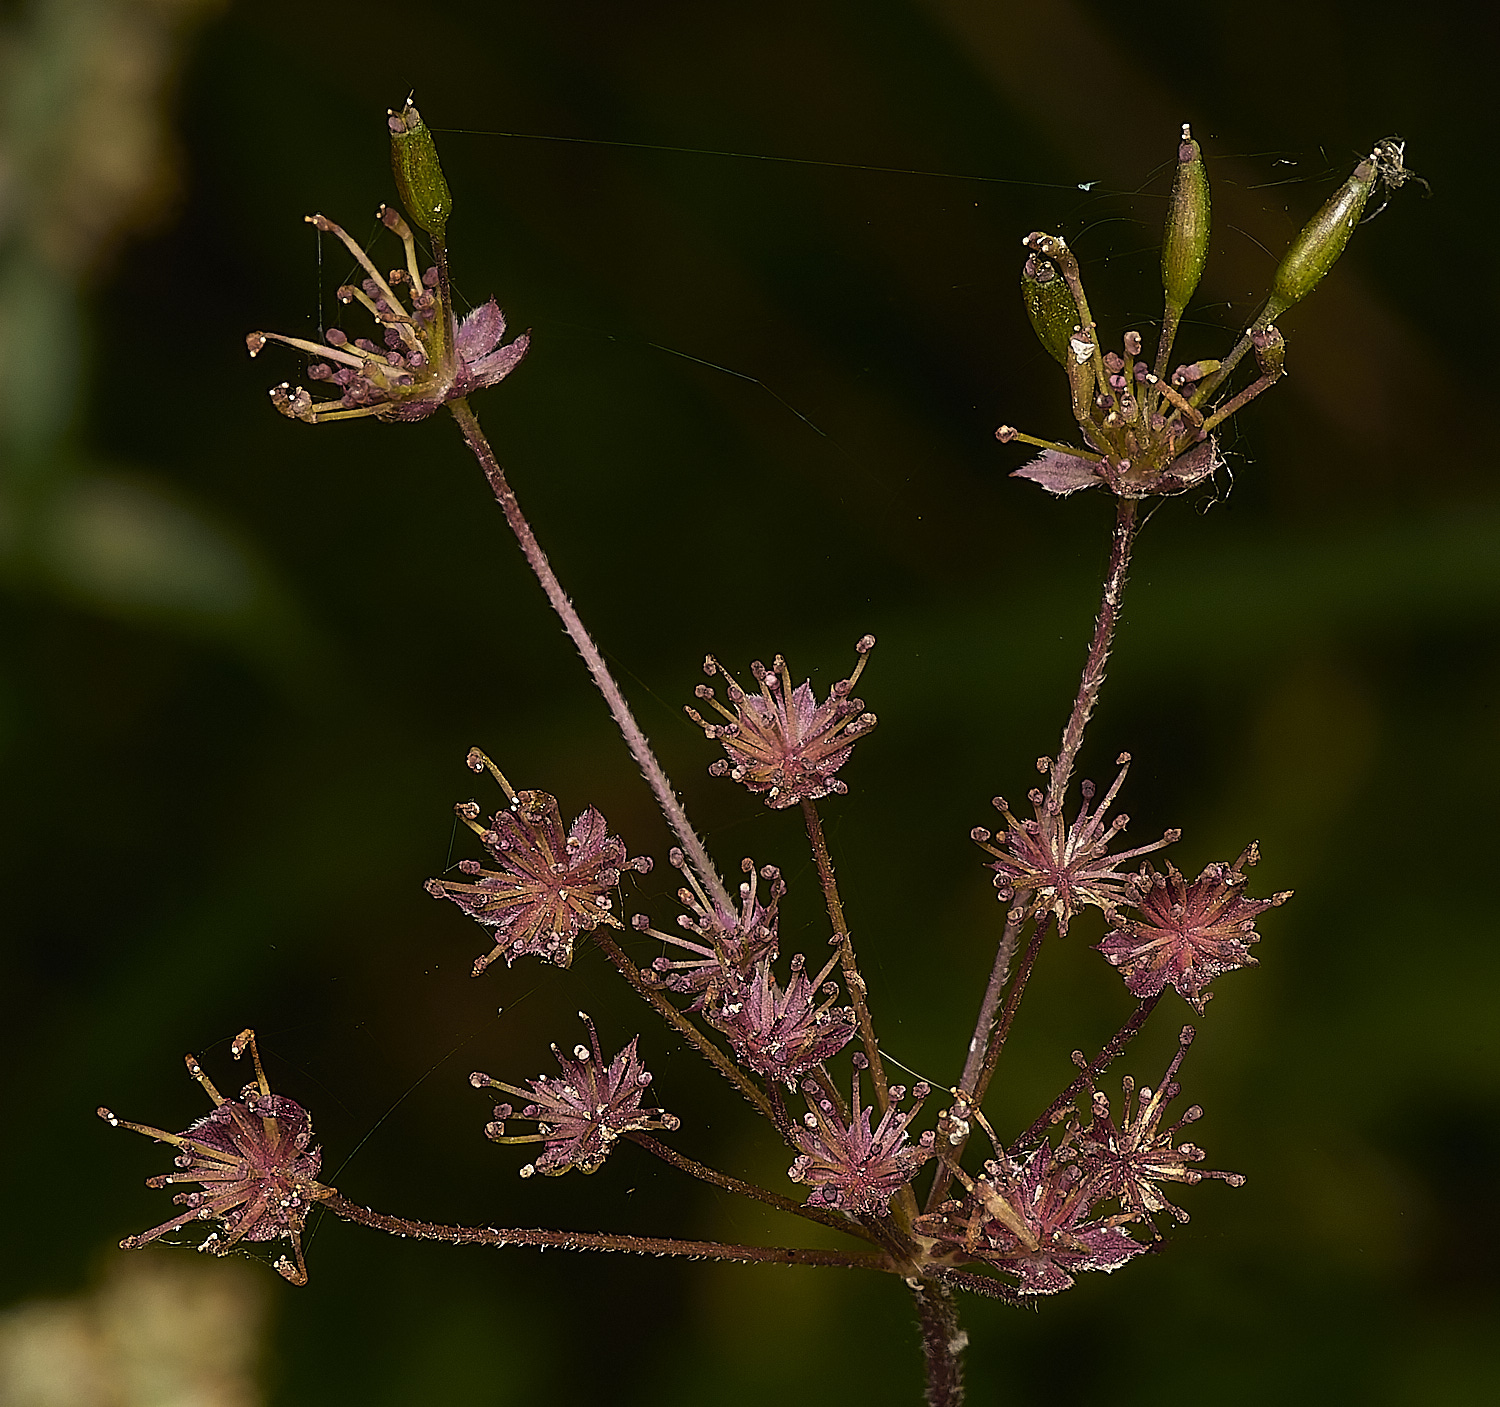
220	808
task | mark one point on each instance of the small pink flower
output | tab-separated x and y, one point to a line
780	741
580	1116
251	1156
780	1032
730	941
547	887
1048	865
1125	1161
1187	934
848	1165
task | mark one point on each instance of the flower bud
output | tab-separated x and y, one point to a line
1316	249
1185	248
1049	305
419	175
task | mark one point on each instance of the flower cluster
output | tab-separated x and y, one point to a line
1051	866
729	942
849	1166
547	887
426	359
1034	1219
580	1115
1187	934
1147	433
781	741
252	1157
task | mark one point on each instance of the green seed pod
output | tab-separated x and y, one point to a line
419	175
1184	250
1316	249
1049	305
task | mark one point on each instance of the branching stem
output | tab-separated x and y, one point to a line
1089	1074
599	1241
715	1178
657	999
635	739
852	979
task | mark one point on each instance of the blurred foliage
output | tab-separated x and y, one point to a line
244	657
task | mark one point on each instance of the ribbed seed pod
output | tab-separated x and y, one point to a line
1049	305
1184	249
419	176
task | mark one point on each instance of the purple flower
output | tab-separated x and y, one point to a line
780	740
730	941
426	358
580	1115
780	1032
1125	1161
251	1157
1047	864
848	1166
1187	934
546	887
1032	1220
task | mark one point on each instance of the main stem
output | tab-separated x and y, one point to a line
598	1241
852	979
635	739
942	1342
1099	647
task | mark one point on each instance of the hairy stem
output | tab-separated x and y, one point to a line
852	979
716	1178
1099	647
990	1006
942	1342
598	1241
635	739
656	998
1089	1074
975	1097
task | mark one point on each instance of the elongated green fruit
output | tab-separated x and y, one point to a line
1318	247
419	175
1049	305
1184	250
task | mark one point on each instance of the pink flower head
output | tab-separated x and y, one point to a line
729	941
848	1166
780	740
1125	1161
1032	1220
1046	864
252	1159
580	1115
780	1032
546	887
1187	934
425	358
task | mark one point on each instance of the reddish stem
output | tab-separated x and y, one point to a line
1089	1075
852	979
685	1028
942	1342
715	1178
1093	668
